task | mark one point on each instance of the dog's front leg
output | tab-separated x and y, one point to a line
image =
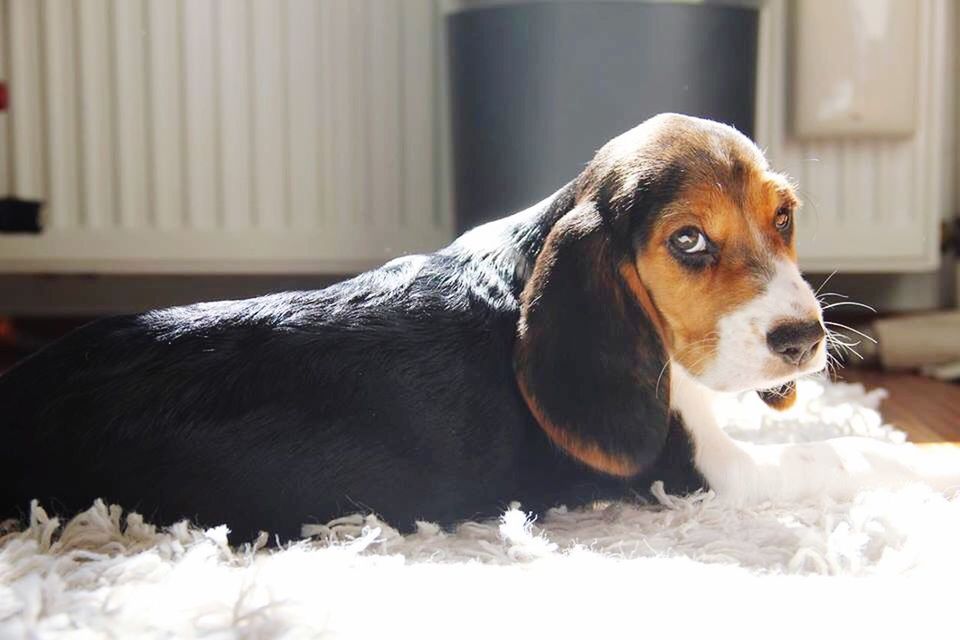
743	473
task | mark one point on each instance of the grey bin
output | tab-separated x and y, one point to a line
537	87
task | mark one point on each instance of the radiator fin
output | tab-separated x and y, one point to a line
221	135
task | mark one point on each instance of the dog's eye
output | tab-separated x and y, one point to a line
689	240
783	219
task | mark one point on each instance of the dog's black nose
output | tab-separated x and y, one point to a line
795	342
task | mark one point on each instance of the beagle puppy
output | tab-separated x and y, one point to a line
568	353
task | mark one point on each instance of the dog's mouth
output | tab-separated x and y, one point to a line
781	397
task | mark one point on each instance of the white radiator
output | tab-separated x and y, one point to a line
870	204
221	135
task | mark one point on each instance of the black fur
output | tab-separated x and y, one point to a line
591	358
393	392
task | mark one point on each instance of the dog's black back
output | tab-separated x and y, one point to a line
393	392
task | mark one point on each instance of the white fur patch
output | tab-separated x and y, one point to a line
743	360
744	473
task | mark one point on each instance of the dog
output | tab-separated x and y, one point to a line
568	353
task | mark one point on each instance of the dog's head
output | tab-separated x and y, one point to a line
678	249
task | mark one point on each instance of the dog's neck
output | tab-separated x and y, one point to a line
511	245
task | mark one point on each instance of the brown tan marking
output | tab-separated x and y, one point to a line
586	452
585	226
691	302
780	399
631	277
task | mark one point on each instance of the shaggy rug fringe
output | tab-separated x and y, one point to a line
884	564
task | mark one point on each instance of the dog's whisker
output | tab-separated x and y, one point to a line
824	283
833	340
656	389
843	347
833	335
833	365
843	343
831	371
848	328
849	346
776	393
848	303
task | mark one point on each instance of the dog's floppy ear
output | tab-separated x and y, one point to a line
589	359
781	398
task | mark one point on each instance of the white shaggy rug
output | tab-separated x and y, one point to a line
886	564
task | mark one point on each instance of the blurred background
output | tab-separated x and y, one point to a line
158	152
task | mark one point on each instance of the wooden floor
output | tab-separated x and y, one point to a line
928	410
